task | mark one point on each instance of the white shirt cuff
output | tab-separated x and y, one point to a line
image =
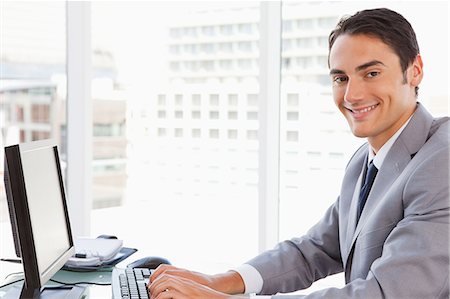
253	281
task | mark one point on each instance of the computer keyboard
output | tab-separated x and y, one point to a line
130	283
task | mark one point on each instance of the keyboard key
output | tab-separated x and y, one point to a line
146	273
133	284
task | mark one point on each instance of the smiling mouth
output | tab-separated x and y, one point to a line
357	112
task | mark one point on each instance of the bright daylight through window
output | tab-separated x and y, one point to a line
176	120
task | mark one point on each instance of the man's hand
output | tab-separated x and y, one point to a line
171	282
200	278
177	287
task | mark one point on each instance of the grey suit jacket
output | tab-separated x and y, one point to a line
400	246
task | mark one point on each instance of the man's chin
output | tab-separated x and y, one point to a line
359	133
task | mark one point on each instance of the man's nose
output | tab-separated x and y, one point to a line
354	91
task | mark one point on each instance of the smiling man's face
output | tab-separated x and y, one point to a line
369	87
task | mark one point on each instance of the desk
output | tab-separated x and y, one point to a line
92	291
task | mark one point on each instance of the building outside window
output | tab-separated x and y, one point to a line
176	121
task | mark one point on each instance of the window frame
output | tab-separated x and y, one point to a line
79	119
79	116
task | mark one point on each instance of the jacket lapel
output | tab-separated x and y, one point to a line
405	147
351	226
392	167
348	204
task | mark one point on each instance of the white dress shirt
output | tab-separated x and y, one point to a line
253	280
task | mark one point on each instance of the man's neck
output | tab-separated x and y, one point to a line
379	156
377	142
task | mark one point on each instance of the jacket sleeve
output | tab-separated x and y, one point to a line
415	256
295	264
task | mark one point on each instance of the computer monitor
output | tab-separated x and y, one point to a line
39	216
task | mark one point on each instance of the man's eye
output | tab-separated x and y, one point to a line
340	79
372	74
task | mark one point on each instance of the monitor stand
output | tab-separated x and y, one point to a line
50	292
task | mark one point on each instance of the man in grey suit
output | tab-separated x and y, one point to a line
388	231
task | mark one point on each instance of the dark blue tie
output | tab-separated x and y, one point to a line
369	176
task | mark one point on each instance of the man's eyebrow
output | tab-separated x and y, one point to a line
358	68
336	72
368	64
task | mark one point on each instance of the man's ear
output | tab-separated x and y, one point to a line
416	71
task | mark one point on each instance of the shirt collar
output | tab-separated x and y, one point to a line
378	159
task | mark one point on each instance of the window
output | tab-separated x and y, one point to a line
252	134
226	64
252	100
214	100
207	30
40	113
196	100
252	115
179	74
232	134
292	100
161	100
287	44
327	22
232	100
292	115
38	135
213	133
32	83
245	46
245	28
162	132
304	42
303	63
207	48
232	114
245	64
305	24
214	114
178	114
196	133
196	114
158	144
287	25
292	136
103	130
326	143
226	29
226	47
178	132
161	114
178	100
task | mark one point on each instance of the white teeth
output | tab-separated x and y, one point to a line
367	109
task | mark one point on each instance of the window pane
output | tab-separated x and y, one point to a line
32	85
186	78
316	143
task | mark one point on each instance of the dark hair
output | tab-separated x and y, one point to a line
389	26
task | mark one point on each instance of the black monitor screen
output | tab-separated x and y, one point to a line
38	211
46	207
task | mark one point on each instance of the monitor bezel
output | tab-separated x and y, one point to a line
35	278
